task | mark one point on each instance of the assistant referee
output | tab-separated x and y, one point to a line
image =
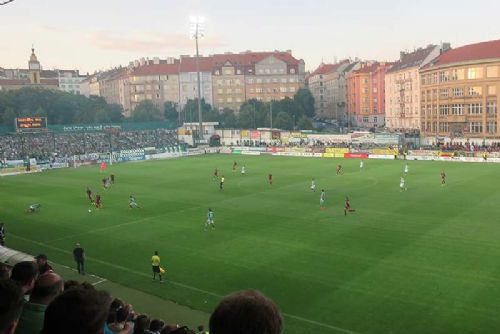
155	263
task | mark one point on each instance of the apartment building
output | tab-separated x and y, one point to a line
366	94
402	88
228	81
188	80
459	92
70	81
157	82
273	76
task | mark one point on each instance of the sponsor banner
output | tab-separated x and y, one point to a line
446	154
359	155
330	138
328	155
91	127
226	150
315	149
275	135
384	151
255	135
336	150
250	152
245	134
236	151
165	155
423	152
382	156
274	149
295	149
297	135
257	149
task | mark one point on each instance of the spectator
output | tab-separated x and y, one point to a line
47	287
79	255
119	314
142	323
167	329
246	312
156	326
25	273
43	265
77	311
4	272
2	235
11	304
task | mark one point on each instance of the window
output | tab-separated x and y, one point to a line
220	90
283	80
457	91
457	109
250	81
443	93
292	89
491	107
283	90
444	109
476	127
475	108
492	71
492	90
475	91
292	71
229	99
238	99
219	82
228	72
475	73
444	76
444	127
238	71
458	74
491	127
365	119
217	72
374	89
229	90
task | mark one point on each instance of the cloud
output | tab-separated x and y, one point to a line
146	41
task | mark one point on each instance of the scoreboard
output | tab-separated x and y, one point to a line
31	124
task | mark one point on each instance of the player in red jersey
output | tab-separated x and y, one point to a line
270	179
347	207
89	195
98	203
443	178
340	170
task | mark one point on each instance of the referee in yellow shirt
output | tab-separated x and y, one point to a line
155	262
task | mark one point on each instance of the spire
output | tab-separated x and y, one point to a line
33	55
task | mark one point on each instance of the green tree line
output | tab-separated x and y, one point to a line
288	114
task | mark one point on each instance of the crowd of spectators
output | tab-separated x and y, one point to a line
467	147
32	302
44	146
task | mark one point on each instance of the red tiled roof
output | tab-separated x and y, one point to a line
415	58
371	68
251	58
471	52
52	82
188	64
328	68
156	69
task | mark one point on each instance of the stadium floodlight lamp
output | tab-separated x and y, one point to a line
196	27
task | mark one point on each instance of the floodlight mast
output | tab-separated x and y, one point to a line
197	33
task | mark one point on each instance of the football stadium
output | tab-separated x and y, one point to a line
176	168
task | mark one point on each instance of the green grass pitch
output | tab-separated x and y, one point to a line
422	261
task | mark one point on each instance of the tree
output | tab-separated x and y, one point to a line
305	102
190	111
228	119
146	111
170	111
304	123
246	117
283	121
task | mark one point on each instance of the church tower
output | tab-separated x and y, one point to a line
34	68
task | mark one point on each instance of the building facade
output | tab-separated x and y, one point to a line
459	92
228	81
366	95
402	88
70	81
327	85
157	82
273	76
32	77
188	79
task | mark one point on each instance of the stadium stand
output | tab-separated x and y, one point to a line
65	145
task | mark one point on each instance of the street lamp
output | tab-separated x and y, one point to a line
197	24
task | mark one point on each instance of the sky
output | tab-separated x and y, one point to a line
92	35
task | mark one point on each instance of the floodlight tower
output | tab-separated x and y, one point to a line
197	25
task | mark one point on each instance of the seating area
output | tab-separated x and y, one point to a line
45	146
